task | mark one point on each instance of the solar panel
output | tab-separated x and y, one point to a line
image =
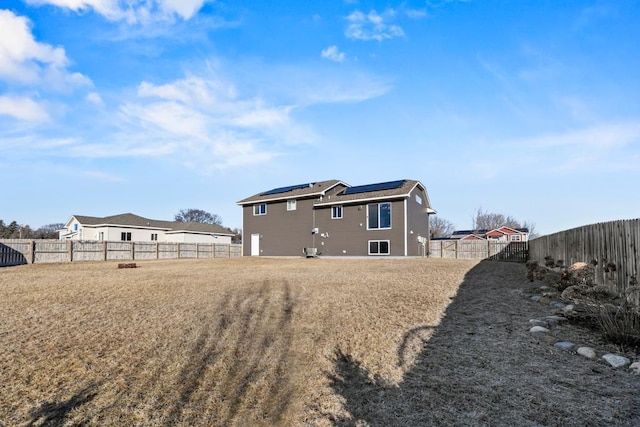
286	189
391	185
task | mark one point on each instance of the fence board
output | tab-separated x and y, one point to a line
615	241
478	249
22	251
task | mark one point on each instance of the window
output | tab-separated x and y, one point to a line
154	237
378	247
515	238
291	205
101	235
125	236
336	212
379	215
260	209
75	227
418	199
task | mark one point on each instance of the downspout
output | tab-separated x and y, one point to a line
405	227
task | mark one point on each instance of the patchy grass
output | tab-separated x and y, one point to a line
218	342
288	342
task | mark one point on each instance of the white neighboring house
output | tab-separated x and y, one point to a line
129	227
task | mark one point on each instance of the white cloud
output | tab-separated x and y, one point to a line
28	62
95	99
132	11
372	26
22	109
332	53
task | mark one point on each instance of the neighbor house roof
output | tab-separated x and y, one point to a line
292	192
131	220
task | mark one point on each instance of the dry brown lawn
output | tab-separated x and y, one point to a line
290	342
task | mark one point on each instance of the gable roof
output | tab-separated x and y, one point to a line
394	190
292	192
132	220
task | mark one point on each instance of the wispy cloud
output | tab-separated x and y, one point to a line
372	26
22	108
132	11
332	53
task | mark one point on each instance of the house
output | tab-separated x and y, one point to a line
332	218
500	234
130	227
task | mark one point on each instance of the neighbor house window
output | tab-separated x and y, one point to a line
418	199
378	247
101	235
515	238
291	205
125	236
336	212
260	209
154	237
379	215
75	227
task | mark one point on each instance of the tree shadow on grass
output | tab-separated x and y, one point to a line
54	414
482	367
241	361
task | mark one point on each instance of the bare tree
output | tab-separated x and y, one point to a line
440	227
484	220
198	215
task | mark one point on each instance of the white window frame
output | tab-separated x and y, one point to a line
418	199
379	204
258	209
378	242
125	236
337	212
101	235
516	238
292	205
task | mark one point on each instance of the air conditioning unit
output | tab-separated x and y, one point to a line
311	252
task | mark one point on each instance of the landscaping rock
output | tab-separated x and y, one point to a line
587	352
616	361
539	329
538	322
536	298
568	308
545	300
557	304
635	367
565	345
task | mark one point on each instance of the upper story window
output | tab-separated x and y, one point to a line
291	205
260	209
379	216
125	236
75	227
515	238
336	212
154	237
418	199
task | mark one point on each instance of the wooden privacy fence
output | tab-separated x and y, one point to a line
15	252
478	249
614	242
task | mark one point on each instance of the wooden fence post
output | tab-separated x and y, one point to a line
70	250
104	250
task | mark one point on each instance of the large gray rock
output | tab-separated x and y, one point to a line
635	367
564	345
616	361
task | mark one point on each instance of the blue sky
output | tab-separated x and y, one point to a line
526	108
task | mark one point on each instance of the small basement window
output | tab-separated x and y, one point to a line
378	247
